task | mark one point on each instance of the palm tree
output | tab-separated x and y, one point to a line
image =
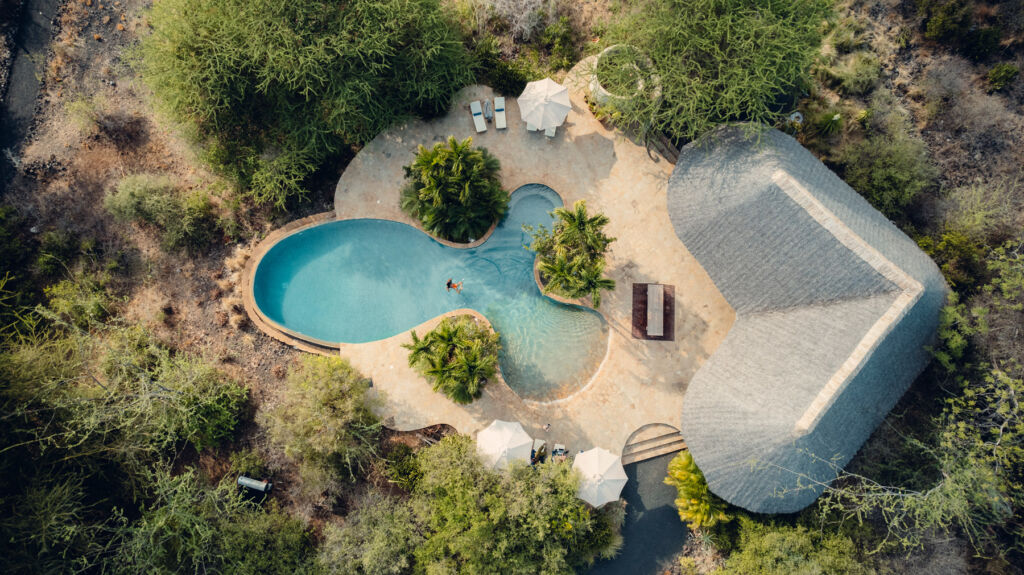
559	273
579	233
697	506
454	190
458	357
590	281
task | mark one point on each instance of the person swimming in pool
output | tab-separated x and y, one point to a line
452	285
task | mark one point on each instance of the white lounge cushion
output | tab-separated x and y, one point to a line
530	127
499	113
478	116
655	310
550	132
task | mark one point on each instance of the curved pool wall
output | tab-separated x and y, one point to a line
362	280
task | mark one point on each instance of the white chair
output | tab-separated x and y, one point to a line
655	310
478	116
530	127
499	113
550	132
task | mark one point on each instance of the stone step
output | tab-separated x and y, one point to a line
654	451
642	444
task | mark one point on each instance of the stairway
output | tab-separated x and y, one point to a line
651	441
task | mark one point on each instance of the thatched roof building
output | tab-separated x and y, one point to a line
834	306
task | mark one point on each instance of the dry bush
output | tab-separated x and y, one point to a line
239	321
523	16
987	212
238	258
233	305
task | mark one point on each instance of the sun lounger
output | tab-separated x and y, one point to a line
478	116
530	127
499	113
655	310
550	132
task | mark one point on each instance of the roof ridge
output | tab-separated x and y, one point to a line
910	290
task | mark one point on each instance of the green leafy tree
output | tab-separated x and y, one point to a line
379	538
769	549
275	88
454	190
697	506
458	357
571	256
718	61
480	521
325	422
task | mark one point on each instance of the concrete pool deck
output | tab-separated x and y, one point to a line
640	381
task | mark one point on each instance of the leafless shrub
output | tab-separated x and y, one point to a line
523	16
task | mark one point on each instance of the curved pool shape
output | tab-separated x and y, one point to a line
354	281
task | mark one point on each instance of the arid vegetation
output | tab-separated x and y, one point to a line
134	391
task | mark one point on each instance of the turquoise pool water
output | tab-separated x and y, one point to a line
355	281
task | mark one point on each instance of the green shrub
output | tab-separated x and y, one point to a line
720	60
402	467
186	224
1001	76
454	190
145	198
856	73
248	462
195	227
325	421
195	529
960	257
379	538
769	549
203	407
507	78
57	251
317	78
572	254
697	506
560	38
889	169
981	42
458	357
944	20
82	301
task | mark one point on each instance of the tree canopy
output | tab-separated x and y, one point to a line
325	422
718	61
274	88
465	518
454	190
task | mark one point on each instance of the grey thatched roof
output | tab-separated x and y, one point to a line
834	306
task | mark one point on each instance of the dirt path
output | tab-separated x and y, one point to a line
31	43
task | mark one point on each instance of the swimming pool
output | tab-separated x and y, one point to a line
355	281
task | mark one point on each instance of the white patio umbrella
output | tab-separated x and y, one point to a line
503	442
602	476
544	104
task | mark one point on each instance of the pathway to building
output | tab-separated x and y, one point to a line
653	533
